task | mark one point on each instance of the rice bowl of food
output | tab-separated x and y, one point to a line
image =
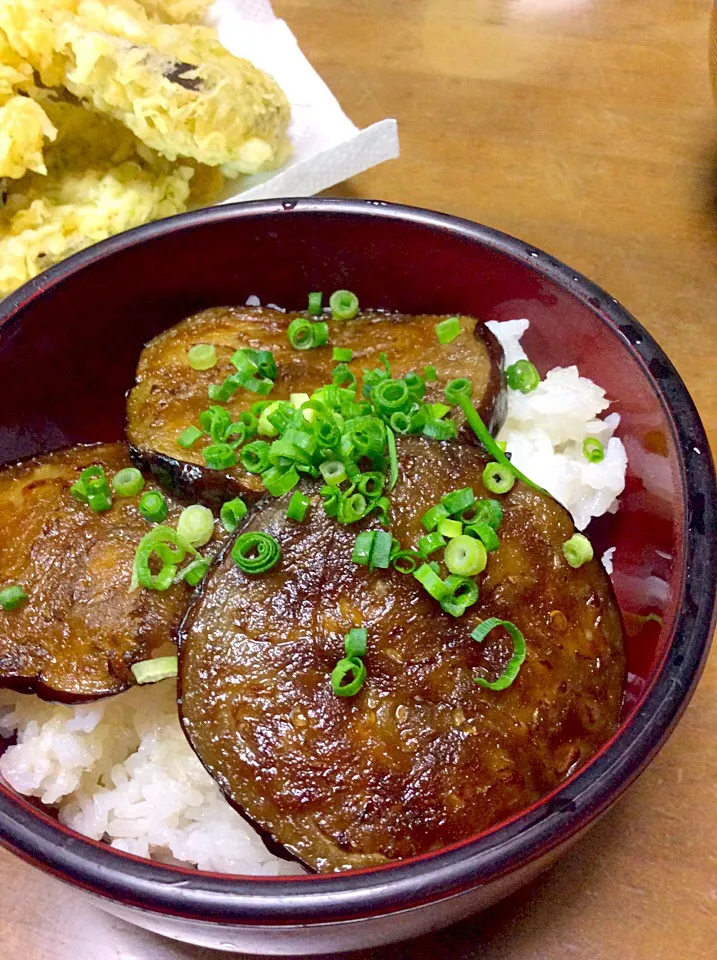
422	543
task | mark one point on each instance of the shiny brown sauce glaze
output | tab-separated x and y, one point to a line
169	395
81	629
422	756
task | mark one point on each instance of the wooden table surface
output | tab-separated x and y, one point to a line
585	127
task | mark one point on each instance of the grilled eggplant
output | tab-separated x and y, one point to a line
422	756
81	629
169	395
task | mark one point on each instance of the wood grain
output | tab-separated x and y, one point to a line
585	127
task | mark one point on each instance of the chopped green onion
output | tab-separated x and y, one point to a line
392	459
522	376
431	582
457	501
93	489
232	513
255	456
380	550
304	334
265	427
342	354
152	671
355	642
344	305
390	395
382	508
153	506
256	552
196	524
195	571
407	561
593	450
12	597
462	387
225	390
431	518
401	422
487	511
578	550
439	410
315	304
249	362
202	356
465	556
321	333
516	661
370	484
299	399
448	330
440	429
215	421
348	667
219	456
481	431
497	478
189	437
431	542
463	594
352	508
298	505
169	548
279	481
333	472
128	482
485	533
362	547
450	528
430	374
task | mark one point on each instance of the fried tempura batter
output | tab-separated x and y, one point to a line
173	85
114	114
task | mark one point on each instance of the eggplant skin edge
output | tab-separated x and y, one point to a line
194	483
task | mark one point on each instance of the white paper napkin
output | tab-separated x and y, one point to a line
328	147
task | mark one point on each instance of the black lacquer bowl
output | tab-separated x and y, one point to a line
69	342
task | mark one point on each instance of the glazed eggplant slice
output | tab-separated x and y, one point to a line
422	756
80	629
169	394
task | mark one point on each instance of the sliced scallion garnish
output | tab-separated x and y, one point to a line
12	597
352	668
578	550
256	552
232	513
523	376
516	661
465	556
153	506
344	305
448	330
196	524
498	478
593	450
202	356
152	671
128	482
298	505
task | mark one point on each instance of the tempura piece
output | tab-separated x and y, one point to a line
172	85
74	211
177	11
24	126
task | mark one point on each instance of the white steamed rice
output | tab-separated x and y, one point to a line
121	769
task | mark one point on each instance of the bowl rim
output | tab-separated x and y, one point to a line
548	824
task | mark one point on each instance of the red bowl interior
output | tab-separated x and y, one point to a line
69	342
